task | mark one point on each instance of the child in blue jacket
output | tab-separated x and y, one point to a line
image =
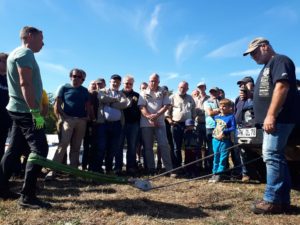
222	138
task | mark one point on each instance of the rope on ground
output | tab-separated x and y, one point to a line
205	176
191	163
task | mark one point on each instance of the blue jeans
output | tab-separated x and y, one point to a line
131	133
177	131
278	185
107	144
220	163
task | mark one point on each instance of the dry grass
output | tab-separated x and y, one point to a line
77	202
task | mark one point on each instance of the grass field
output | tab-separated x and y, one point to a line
198	202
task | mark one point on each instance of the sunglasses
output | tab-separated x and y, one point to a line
256	50
128	83
77	76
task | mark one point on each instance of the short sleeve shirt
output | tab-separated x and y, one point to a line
74	100
22	57
210	104
183	108
153	101
279	68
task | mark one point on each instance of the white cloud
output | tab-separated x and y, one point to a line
151	26
185	48
243	73
232	49
284	13
53	69
169	76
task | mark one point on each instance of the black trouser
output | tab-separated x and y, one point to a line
209	161
23	127
5	125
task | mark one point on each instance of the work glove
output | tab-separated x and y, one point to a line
38	119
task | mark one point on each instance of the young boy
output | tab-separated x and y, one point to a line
222	138
191	148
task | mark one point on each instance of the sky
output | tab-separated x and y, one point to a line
192	40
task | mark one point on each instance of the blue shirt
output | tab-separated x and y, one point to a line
74	100
225	124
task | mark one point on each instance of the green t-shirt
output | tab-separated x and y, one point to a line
22	57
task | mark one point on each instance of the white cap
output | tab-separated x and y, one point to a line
201	84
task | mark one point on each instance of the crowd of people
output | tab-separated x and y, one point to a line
110	119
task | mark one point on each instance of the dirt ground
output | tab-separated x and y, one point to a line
197	202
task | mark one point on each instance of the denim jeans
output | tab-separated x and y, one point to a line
130	132
23	127
148	134
177	131
108	142
278	185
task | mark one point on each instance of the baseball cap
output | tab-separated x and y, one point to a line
245	80
201	84
116	77
214	89
254	44
189	122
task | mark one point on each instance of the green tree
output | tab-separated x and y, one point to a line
50	119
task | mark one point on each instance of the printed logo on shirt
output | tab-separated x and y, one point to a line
264	88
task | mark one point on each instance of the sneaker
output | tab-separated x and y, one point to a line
50	176
173	175
215	179
33	203
263	207
212	179
218	178
8	195
245	179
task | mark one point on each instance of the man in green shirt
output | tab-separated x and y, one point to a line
25	93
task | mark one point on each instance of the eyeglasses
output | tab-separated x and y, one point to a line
77	76
128	83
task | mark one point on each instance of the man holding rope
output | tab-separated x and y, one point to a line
274	107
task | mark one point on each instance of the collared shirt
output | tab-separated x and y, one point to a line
153	101
182	108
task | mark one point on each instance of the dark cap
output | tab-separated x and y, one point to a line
246	80
116	77
100	80
164	88
214	89
189	122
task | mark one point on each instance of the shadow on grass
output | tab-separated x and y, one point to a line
139	206
72	187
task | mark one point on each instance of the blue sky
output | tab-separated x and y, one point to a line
192	40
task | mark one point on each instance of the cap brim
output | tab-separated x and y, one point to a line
249	50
